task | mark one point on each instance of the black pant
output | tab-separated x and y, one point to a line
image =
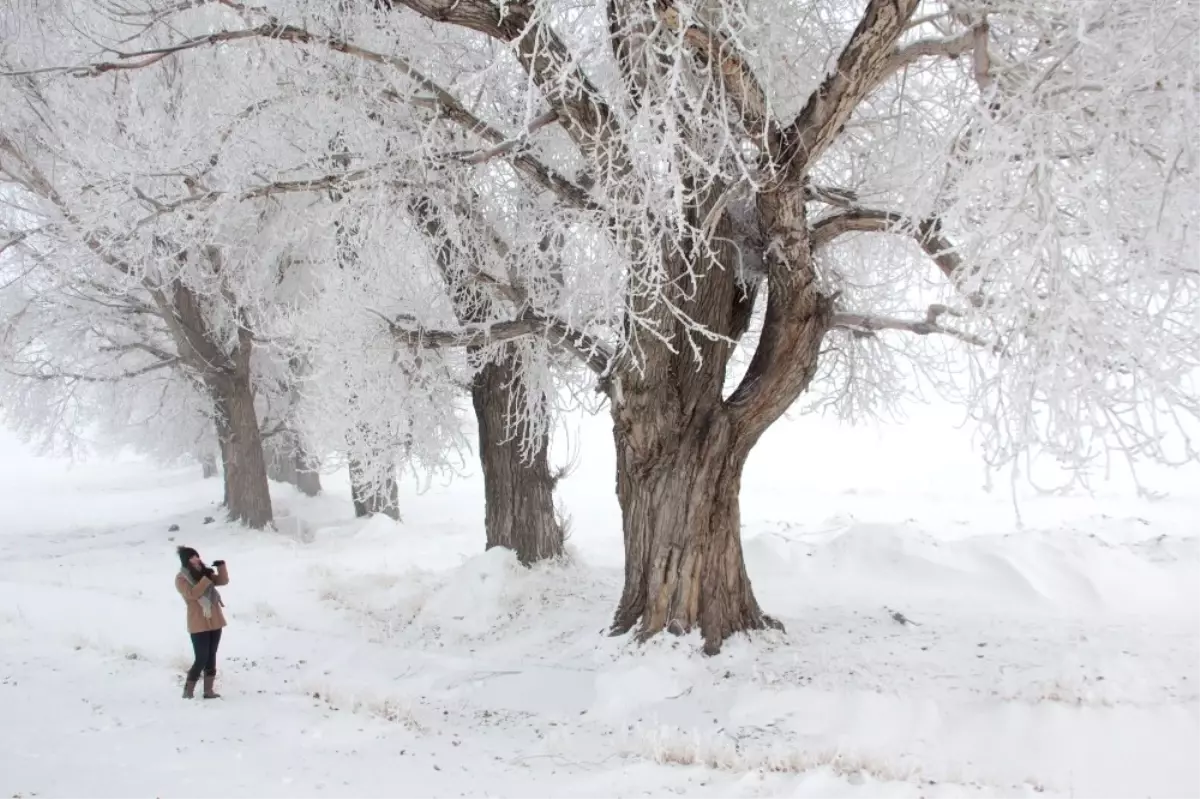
205	646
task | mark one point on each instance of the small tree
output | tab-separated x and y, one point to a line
128	199
511	413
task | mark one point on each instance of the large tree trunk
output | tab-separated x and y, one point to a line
682	528
517	484
247	493
682	446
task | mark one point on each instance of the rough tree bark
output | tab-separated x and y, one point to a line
681	451
682	529
518	485
247	493
682	447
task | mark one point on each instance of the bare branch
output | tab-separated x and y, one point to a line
443	101
867	324
529	167
14	241
146	58
162	355
506	147
82	378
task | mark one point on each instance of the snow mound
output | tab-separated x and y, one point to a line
1036	569
487	597
379	529
478	597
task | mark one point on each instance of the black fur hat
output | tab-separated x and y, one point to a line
185	554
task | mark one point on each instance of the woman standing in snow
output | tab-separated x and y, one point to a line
197	584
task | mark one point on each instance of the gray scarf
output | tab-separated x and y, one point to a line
210	597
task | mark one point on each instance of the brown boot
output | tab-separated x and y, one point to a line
189	689
209	693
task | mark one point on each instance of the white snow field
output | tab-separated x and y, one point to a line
1054	658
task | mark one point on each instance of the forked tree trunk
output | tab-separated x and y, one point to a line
371	496
208	465
247	493
682	446
682	527
517	483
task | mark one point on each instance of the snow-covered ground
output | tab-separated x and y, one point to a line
373	659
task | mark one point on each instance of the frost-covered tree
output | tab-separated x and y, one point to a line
999	195
512	411
87	369
90	322
119	232
1016	177
234	168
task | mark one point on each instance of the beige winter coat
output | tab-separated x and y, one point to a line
196	623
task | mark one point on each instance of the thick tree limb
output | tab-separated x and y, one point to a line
796	321
531	323
862	62
908	55
926	232
552	67
721	56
